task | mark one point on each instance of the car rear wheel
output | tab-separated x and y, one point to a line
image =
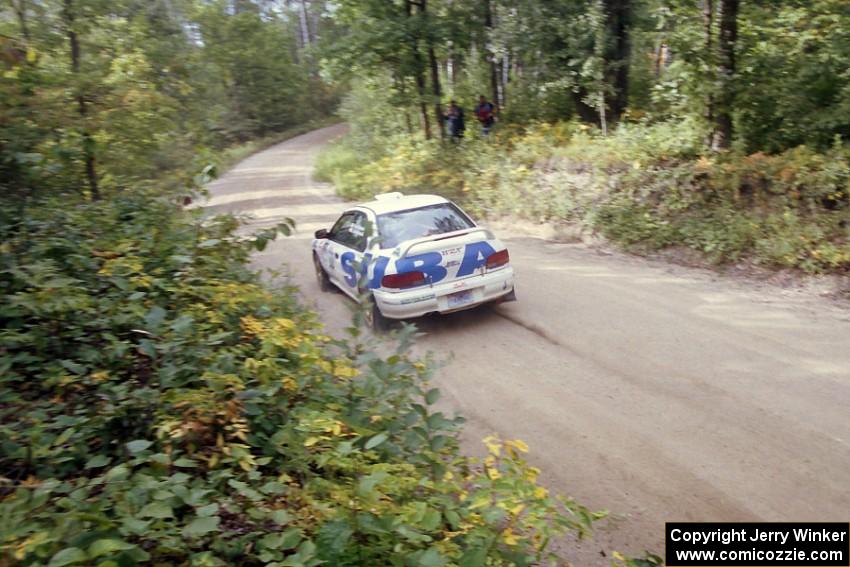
374	319
321	276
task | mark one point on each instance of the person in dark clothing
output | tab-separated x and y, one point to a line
486	114
454	120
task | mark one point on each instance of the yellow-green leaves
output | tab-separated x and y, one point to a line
201	525
204	419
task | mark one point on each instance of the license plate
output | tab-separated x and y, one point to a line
459	298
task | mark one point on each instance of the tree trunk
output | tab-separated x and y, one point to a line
603	119
419	74
450	67
20	9
306	40
618	16
491	58
314	23
450	54
505	76
402	89
500	71
423	107
407	123
726	71
435	87
435	72
708	42
82	107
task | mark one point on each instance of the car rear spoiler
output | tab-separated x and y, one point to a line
404	250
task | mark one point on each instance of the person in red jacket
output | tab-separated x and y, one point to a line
486	114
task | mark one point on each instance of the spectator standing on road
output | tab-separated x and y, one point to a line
485	112
454	120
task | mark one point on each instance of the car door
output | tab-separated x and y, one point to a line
330	247
348	239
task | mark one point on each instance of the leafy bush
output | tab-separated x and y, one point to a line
645	186
336	158
157	404
788	211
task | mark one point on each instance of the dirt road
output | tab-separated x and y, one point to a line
656	392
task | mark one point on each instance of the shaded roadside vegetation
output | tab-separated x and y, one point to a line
718	126
160	405
646	187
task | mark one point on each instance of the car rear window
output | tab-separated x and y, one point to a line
399	226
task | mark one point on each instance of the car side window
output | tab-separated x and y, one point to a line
360	231
351	230
340	228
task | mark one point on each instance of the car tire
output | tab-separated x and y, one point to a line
374	319
321	276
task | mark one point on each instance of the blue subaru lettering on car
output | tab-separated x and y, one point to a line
408	256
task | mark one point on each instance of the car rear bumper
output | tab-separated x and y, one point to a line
446	297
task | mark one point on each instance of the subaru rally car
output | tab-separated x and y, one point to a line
409	256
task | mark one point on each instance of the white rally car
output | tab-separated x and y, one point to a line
412	255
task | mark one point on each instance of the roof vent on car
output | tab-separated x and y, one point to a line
388	196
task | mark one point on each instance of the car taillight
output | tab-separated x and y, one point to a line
403	281
497	259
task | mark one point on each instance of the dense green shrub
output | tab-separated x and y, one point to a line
789	210
159	405
646	186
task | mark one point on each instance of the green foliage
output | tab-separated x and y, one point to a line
645	186
558	60
789	210
265	89
160	83
336	158
368	109
159	405
795	80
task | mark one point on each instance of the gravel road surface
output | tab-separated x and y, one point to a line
657	392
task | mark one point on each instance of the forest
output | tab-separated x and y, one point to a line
162	404
763	76
711	127
99	95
